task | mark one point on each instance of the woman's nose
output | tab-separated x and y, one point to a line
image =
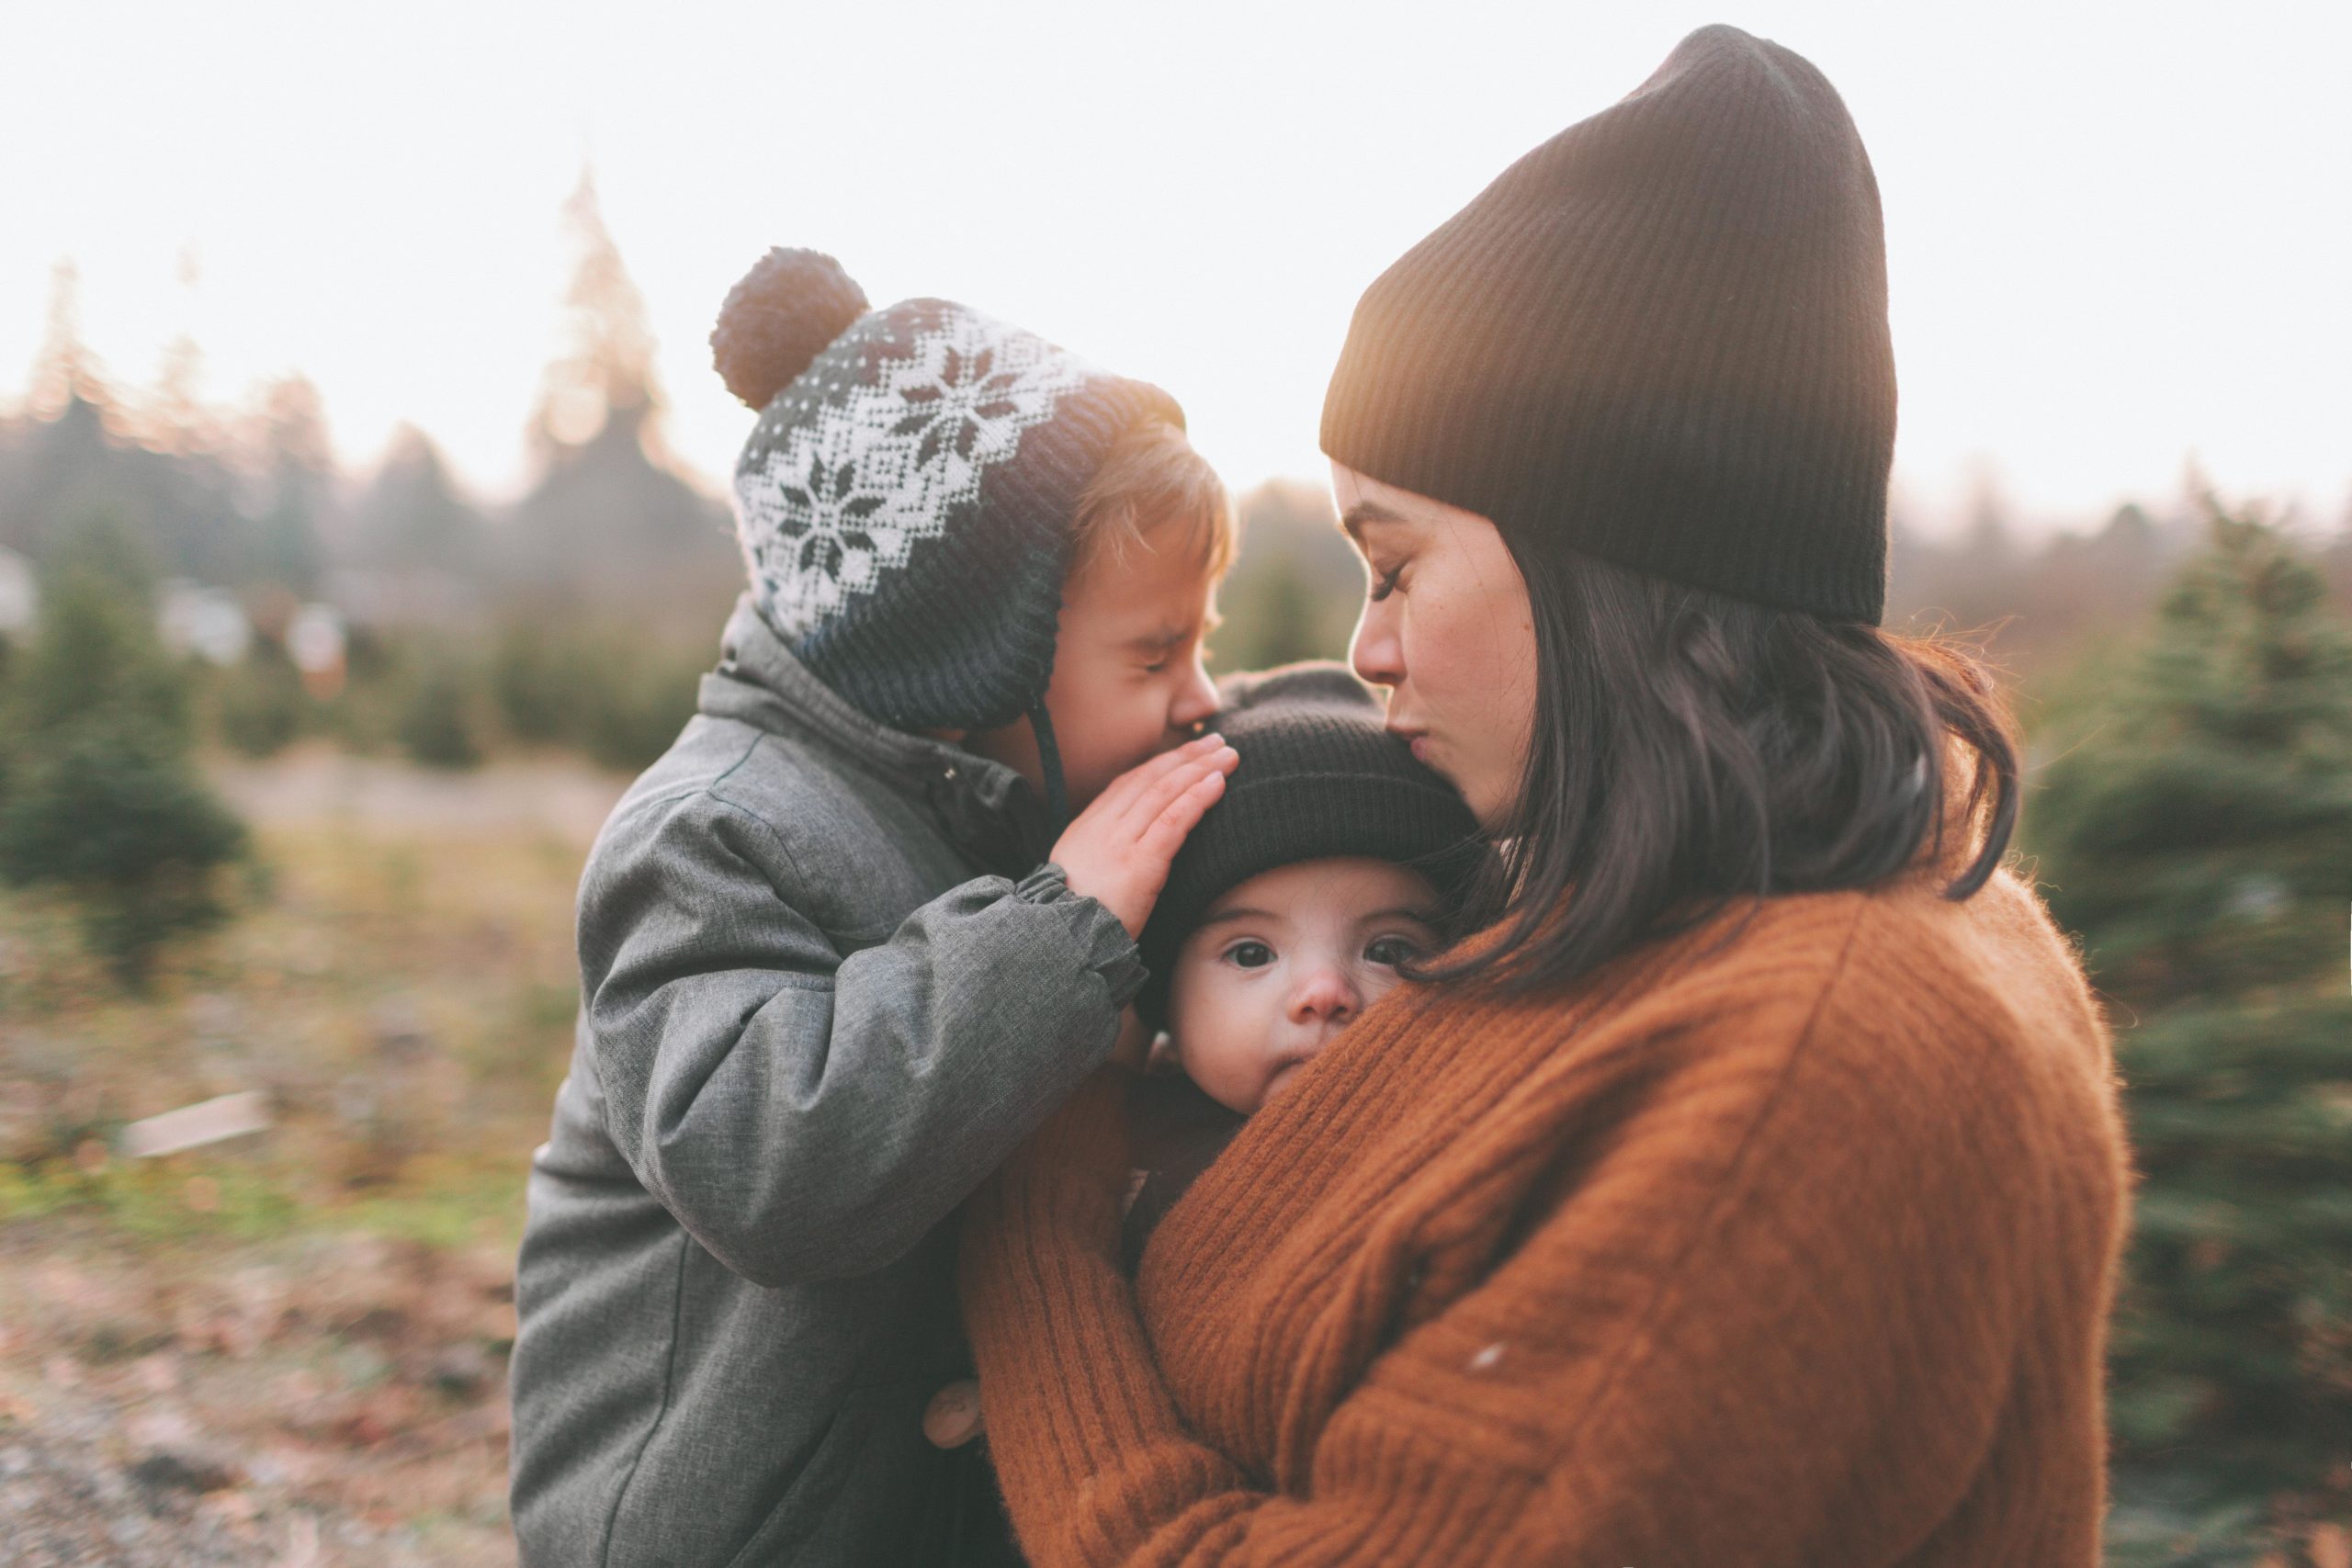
1374	652
1324	994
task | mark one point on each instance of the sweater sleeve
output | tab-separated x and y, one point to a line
1771	1321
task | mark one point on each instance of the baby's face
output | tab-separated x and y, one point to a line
1284	962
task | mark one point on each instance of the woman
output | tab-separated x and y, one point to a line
1750	1191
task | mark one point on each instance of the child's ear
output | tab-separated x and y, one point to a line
1131	1050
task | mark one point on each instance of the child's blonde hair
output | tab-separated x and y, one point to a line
1152	492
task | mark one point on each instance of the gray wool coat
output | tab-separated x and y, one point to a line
826	987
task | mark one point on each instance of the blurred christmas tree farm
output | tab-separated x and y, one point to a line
2196	832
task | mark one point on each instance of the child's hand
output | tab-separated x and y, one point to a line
954	1418
1118	850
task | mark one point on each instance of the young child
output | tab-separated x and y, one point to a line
1333	857
829	977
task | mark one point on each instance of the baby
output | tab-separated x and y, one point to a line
1332	859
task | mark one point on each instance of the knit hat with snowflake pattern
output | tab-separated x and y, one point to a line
905	501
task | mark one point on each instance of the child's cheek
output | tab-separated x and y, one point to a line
1222	1038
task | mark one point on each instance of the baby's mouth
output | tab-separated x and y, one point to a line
1283	1072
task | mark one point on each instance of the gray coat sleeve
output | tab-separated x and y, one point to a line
806	1116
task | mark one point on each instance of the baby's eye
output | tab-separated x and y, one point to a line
1392	950
1249	955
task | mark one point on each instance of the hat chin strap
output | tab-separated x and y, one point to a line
1049	761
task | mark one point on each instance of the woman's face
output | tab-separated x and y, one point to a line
1446	628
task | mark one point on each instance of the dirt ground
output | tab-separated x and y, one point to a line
305	1402
288	1348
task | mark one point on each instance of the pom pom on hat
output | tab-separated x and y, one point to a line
779	318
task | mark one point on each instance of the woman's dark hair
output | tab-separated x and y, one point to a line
1690	749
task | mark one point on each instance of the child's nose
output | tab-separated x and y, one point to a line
1325	995
1197	701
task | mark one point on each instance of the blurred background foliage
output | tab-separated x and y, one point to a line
2194	825
296	767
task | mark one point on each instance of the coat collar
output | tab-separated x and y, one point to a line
986	805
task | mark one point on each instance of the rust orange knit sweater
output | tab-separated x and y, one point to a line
1793	1249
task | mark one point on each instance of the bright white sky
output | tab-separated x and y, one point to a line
2119	234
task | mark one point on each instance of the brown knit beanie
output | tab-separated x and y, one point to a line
1321	778
1659	338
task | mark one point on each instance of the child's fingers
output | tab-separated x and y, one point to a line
1119	797
1174	785
954	1416
1166	831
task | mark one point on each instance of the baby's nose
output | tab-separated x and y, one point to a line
1324	994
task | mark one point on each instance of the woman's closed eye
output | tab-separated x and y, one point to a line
1387	583
1249	953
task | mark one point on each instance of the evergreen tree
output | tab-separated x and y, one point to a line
2335	563
260	706
154	468
1272	616
99	797
647	697
297	464
537	682
412	515
437	724
609	372
93	649
1297	586
115	816
2198	834
64	372
612	523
